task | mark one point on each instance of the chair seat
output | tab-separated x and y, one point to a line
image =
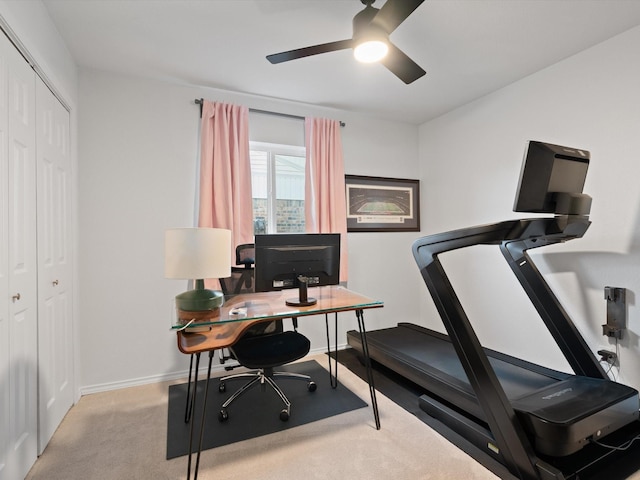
267	351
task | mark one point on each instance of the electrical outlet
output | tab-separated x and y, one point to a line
607	356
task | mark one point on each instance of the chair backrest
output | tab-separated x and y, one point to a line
241	279
246	255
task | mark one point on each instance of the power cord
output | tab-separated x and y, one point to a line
621	448
609	360
609	369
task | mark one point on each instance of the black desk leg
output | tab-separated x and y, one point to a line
367	361
187	410
193	404
204	411
333	379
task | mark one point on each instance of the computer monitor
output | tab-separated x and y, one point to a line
552	179
298	260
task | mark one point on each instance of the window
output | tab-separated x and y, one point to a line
277	179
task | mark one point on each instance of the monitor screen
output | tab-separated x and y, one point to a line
552	179
282	258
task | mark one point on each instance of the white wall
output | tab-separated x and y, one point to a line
469	165
138	156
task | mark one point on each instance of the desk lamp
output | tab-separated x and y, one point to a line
196	254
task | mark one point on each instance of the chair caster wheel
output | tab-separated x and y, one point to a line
222	387
223	416
284	415
312	387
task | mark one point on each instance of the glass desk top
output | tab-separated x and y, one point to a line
272	306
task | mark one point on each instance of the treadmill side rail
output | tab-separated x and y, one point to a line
479	436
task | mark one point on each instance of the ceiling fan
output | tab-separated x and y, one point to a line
371	29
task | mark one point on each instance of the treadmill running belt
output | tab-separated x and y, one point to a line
428	359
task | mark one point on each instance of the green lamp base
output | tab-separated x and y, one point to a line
199	305
199	300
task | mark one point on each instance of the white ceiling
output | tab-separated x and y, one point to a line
468	47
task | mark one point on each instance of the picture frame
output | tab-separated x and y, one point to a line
379	204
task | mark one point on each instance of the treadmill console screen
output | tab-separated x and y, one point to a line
552	179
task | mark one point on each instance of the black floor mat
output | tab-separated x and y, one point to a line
255	413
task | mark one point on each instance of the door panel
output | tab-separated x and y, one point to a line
19	381
4	268
54	266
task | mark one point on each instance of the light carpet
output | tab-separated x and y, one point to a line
122	435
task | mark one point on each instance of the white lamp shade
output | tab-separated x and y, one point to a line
197	253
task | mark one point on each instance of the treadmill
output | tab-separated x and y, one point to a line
540	423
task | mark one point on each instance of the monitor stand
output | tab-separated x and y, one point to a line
303	300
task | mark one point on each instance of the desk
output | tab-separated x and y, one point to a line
228	327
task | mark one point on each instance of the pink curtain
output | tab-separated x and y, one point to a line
225	172
325	203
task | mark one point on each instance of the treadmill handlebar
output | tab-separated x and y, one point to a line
541	231
515	237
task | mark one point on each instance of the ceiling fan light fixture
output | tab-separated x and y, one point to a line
370	42
371	51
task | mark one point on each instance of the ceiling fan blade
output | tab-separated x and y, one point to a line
308	51
394	12
402	66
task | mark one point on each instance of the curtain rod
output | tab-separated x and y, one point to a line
198	101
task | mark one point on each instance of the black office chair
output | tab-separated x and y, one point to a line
241	281
264	346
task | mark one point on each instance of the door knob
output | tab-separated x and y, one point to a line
16	297
55	282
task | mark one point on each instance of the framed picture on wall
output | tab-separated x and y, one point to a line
377	204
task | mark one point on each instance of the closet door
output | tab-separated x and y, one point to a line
54	263
4	266
18	376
